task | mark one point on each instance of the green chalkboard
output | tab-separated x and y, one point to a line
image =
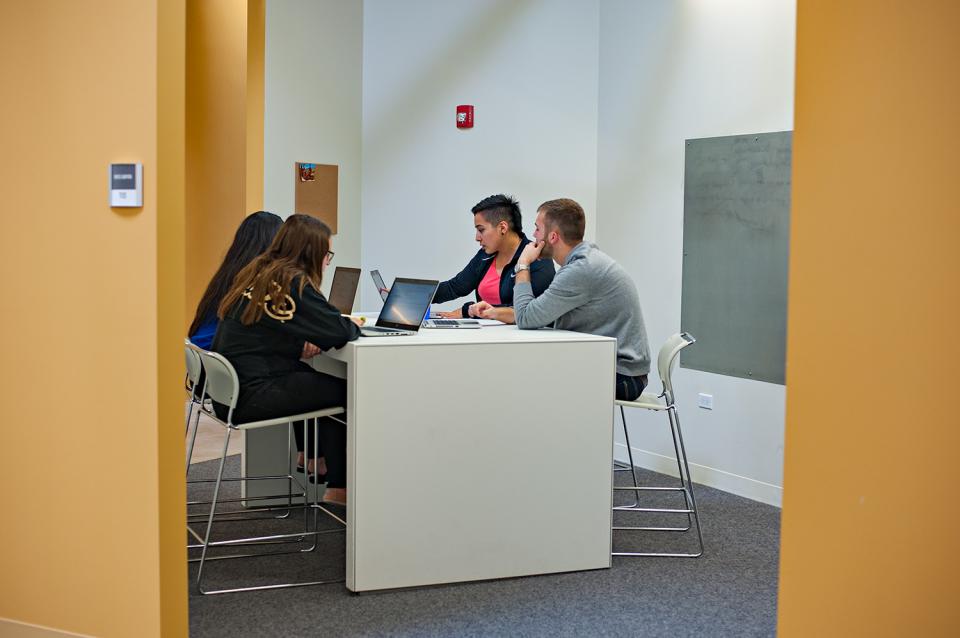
736	238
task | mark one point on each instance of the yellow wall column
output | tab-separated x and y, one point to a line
224	171
873	355
90	319
171	52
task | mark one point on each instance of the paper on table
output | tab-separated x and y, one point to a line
490	322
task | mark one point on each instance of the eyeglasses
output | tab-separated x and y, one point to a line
329	256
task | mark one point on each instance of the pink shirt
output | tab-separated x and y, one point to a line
489	288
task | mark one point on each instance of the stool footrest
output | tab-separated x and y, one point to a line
653	509
650	489
654	554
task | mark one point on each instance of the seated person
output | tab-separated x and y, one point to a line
252	238
591	293
272	310
490	272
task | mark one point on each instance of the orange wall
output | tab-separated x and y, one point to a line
91	302
171	268
224	169
872	433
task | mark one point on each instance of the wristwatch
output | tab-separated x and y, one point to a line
519	268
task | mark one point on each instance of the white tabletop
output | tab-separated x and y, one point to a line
464	336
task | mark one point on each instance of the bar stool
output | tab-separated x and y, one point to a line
223	386
664	402
196	391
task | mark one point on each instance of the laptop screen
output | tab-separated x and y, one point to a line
407	303
378	282
343	290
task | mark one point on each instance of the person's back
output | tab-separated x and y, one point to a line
610	306
590	293
251	239
270	314
272	346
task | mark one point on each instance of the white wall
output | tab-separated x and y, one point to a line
530	69
312	106
672	70
584	99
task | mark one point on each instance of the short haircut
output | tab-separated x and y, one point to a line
500	208
566	216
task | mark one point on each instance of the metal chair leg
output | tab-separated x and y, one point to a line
193	437
213	509
693	502
633	466
189	417
250	541
686	488
684	483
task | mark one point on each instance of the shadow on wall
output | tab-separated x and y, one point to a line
660	27
464	49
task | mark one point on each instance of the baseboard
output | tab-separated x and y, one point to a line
16	629
733	483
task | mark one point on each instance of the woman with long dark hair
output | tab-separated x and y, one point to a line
251	239
490	274
273	308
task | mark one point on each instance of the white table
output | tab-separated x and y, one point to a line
473	454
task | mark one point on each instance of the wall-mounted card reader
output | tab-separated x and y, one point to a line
126	185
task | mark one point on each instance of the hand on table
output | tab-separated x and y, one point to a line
483	310
451	314
309	350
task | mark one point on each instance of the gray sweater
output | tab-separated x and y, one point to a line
590	293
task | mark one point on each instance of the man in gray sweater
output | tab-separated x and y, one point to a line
590	293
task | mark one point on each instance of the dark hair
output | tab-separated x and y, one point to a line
297	251
252	238
501	208
567	217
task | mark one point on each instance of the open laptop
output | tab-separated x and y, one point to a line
343	290
378	282
429	323
404	309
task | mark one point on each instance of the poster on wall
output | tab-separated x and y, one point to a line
315	191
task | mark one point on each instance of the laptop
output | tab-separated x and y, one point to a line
378	282
451	323
404	309
343	290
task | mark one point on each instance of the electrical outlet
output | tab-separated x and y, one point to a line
705	401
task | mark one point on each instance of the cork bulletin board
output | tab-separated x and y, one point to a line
315	191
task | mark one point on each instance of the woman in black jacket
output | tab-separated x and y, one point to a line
490	273
272	310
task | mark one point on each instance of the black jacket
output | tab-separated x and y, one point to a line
271	347
541	274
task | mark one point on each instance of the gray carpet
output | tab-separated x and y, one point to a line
730	591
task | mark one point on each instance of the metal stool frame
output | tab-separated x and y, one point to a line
196	400
222	386
666	361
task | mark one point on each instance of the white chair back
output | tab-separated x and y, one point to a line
667	360
223	385
194	366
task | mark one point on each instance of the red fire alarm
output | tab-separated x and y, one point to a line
465	116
